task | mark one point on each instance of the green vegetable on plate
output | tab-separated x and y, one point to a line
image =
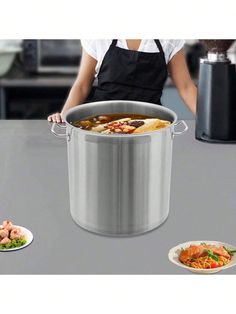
13	244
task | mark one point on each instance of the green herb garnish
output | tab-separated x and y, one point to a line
212	255
231	252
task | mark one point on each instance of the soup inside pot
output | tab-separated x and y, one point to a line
121	123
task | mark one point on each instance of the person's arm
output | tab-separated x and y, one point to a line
180	76
80	88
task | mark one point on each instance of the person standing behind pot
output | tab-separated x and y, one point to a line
129	70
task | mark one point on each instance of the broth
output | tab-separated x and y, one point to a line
120	123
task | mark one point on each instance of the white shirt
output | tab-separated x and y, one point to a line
97	48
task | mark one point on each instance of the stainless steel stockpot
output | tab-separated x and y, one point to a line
119	184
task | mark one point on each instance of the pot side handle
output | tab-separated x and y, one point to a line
181	122
61	126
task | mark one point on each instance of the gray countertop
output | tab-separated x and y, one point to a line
34	194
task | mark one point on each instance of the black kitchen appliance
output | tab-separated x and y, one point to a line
51	55
216	102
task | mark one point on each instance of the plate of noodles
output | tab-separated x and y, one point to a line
203	257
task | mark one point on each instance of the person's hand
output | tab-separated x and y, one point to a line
56	118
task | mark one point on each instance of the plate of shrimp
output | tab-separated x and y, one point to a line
203	257
13	237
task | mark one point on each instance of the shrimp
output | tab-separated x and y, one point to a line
4	233
6	240
15	234
7	224
194	251
218	250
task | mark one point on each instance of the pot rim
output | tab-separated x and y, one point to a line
93	133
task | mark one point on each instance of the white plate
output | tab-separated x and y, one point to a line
28	237
175	251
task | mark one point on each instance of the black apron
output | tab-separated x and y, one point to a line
130	75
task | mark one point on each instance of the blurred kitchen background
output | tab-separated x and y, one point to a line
36	76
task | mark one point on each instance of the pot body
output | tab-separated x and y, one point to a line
119	184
